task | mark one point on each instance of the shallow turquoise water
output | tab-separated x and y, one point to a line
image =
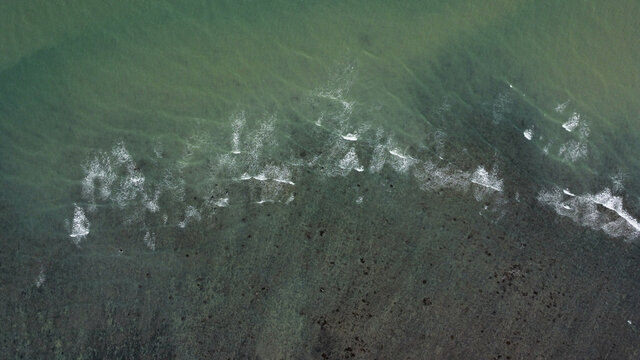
292	179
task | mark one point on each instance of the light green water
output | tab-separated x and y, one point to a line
266	150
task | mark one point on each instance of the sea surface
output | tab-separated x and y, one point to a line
297	179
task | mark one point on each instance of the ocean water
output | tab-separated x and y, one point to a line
319	180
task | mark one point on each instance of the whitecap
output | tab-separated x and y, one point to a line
601	211
350	137
260	177
528	134
284	181
396	152
80	225
572	123
614	203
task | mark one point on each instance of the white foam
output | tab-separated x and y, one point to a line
238	121
175	185
500	106
378	158
337	96
121	154
280	174
584	130
566	191
157	150
396	152
130	186
400	161
274	183
614	203
261	138
80	225
433	178
488	183
98	170
359	200
190	214
584	210
40	279
264	201
152	204
320	118
222	202
528	134
150	240
285	181
483	178
573	150
561	107
439	138
572	123
350	162
617	181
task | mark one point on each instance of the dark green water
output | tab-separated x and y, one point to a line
319	179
